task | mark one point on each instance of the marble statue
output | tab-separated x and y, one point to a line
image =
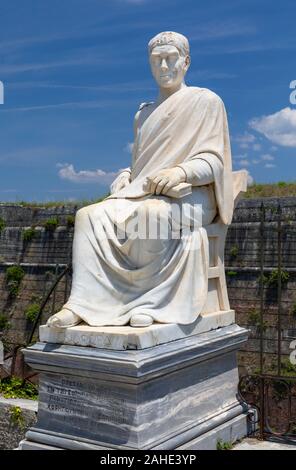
181	138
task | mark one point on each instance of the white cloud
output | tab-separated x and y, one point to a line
267	157
244	162
134	2
218	30
257	147
70	105
129	147
279	128
250	179
241	156
68	172
245	138
255	161
269	165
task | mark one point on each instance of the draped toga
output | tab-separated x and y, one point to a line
115	277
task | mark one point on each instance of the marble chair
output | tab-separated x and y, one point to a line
217	289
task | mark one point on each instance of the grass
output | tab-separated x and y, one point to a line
36	204
280	189
256	190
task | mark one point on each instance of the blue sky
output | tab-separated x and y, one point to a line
75	72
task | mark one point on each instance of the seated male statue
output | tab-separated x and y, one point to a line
182	137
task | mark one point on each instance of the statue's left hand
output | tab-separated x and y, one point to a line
165	180
122	180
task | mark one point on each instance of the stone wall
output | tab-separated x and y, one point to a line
16	417
46	254
243	276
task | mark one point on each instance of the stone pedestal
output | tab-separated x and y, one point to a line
177	395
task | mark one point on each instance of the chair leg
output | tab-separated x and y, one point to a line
221	281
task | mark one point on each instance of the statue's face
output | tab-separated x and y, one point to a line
168	66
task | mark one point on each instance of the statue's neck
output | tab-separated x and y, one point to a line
165	93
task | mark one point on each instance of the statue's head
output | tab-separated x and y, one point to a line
169	58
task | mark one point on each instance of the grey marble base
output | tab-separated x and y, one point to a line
165	397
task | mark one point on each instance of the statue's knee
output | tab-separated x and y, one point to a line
154	208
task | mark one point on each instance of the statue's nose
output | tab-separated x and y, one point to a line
163	65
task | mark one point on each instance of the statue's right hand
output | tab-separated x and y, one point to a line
122	180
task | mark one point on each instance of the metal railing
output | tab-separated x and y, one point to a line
272	392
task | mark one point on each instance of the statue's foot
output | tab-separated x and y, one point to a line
140	320
63	319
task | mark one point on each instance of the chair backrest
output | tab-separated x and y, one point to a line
240	182
217	234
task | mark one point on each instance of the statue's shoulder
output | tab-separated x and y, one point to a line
145	105
206	95
141	114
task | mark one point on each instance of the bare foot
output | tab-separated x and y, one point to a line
63	319
141	320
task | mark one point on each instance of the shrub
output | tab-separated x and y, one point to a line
13	387
70	220
14	276
17	417
234	251
293	310
29	234
2	224
255	320
231	273
288	368
4	323
221	445
51	224
32	311
273	277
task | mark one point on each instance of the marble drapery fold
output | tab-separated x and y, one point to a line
115	278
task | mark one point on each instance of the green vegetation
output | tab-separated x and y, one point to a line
51	224
4	323
280	189
263	278
233	251
70	220
2	224
254	319
37	205
17	417
231	273
14	276
32	311
221	445
287	368
293	310
29	234
13	387
272	279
